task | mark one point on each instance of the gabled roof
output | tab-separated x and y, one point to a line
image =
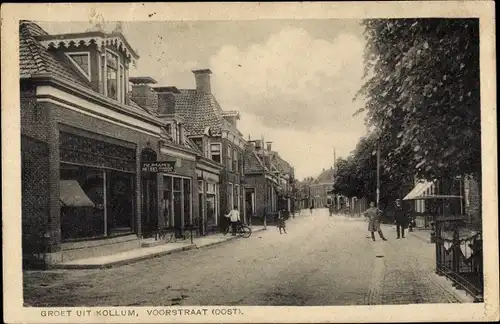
326	175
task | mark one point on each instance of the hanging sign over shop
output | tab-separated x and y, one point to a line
158	166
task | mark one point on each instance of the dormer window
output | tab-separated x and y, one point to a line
81	61
102	58
113	76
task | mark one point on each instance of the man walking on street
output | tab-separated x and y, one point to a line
401	219
373	215
234	217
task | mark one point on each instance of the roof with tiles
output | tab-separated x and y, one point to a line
201	110
34	58
281	164
252	163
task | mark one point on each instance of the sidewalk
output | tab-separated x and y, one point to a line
150	251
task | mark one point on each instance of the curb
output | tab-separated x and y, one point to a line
449	289
121	262
230	238
142	257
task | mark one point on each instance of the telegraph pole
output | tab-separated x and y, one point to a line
378	175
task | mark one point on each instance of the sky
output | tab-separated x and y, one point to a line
293	81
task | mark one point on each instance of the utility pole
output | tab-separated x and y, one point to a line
378	175
334	198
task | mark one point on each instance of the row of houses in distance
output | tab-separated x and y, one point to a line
108	158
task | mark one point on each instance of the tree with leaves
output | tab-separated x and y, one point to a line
423	97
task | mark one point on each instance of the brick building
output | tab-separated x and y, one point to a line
269	181
320	189
84	142
215	133
303	192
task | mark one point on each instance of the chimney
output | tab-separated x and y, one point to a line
143	94
166	99
202	80
258	145
269	146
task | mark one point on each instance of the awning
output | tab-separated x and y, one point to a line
72	195
420	191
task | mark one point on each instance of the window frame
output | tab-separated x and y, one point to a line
121	75
87	73
211	152
230	192
229	158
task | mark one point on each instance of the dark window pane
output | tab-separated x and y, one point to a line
120	198
177	212
187	200
177	184
82	221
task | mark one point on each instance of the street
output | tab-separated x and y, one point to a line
321	261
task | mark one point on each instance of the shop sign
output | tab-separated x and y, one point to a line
158	166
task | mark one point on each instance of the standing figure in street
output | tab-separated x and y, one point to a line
234	218
281	222
401	219
373	215
311	209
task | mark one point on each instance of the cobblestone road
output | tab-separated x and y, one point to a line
322	261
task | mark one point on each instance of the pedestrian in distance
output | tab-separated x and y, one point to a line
311	209
281	222
374	214
401	219
234	218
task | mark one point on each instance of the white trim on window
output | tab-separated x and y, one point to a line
231	196
104	71
86	74
219	151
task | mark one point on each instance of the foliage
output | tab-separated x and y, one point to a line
422	95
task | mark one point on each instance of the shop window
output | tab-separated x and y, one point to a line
187	200
167	202
212	204
95	202
178	195
215	152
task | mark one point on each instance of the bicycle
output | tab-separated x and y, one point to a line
244	230
241	229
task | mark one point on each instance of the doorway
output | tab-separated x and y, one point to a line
149	194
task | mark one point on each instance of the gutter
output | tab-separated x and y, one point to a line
91	96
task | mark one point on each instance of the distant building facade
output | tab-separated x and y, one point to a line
320	189
269	181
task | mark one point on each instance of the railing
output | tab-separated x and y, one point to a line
459	255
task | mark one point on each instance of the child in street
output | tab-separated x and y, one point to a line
281	222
